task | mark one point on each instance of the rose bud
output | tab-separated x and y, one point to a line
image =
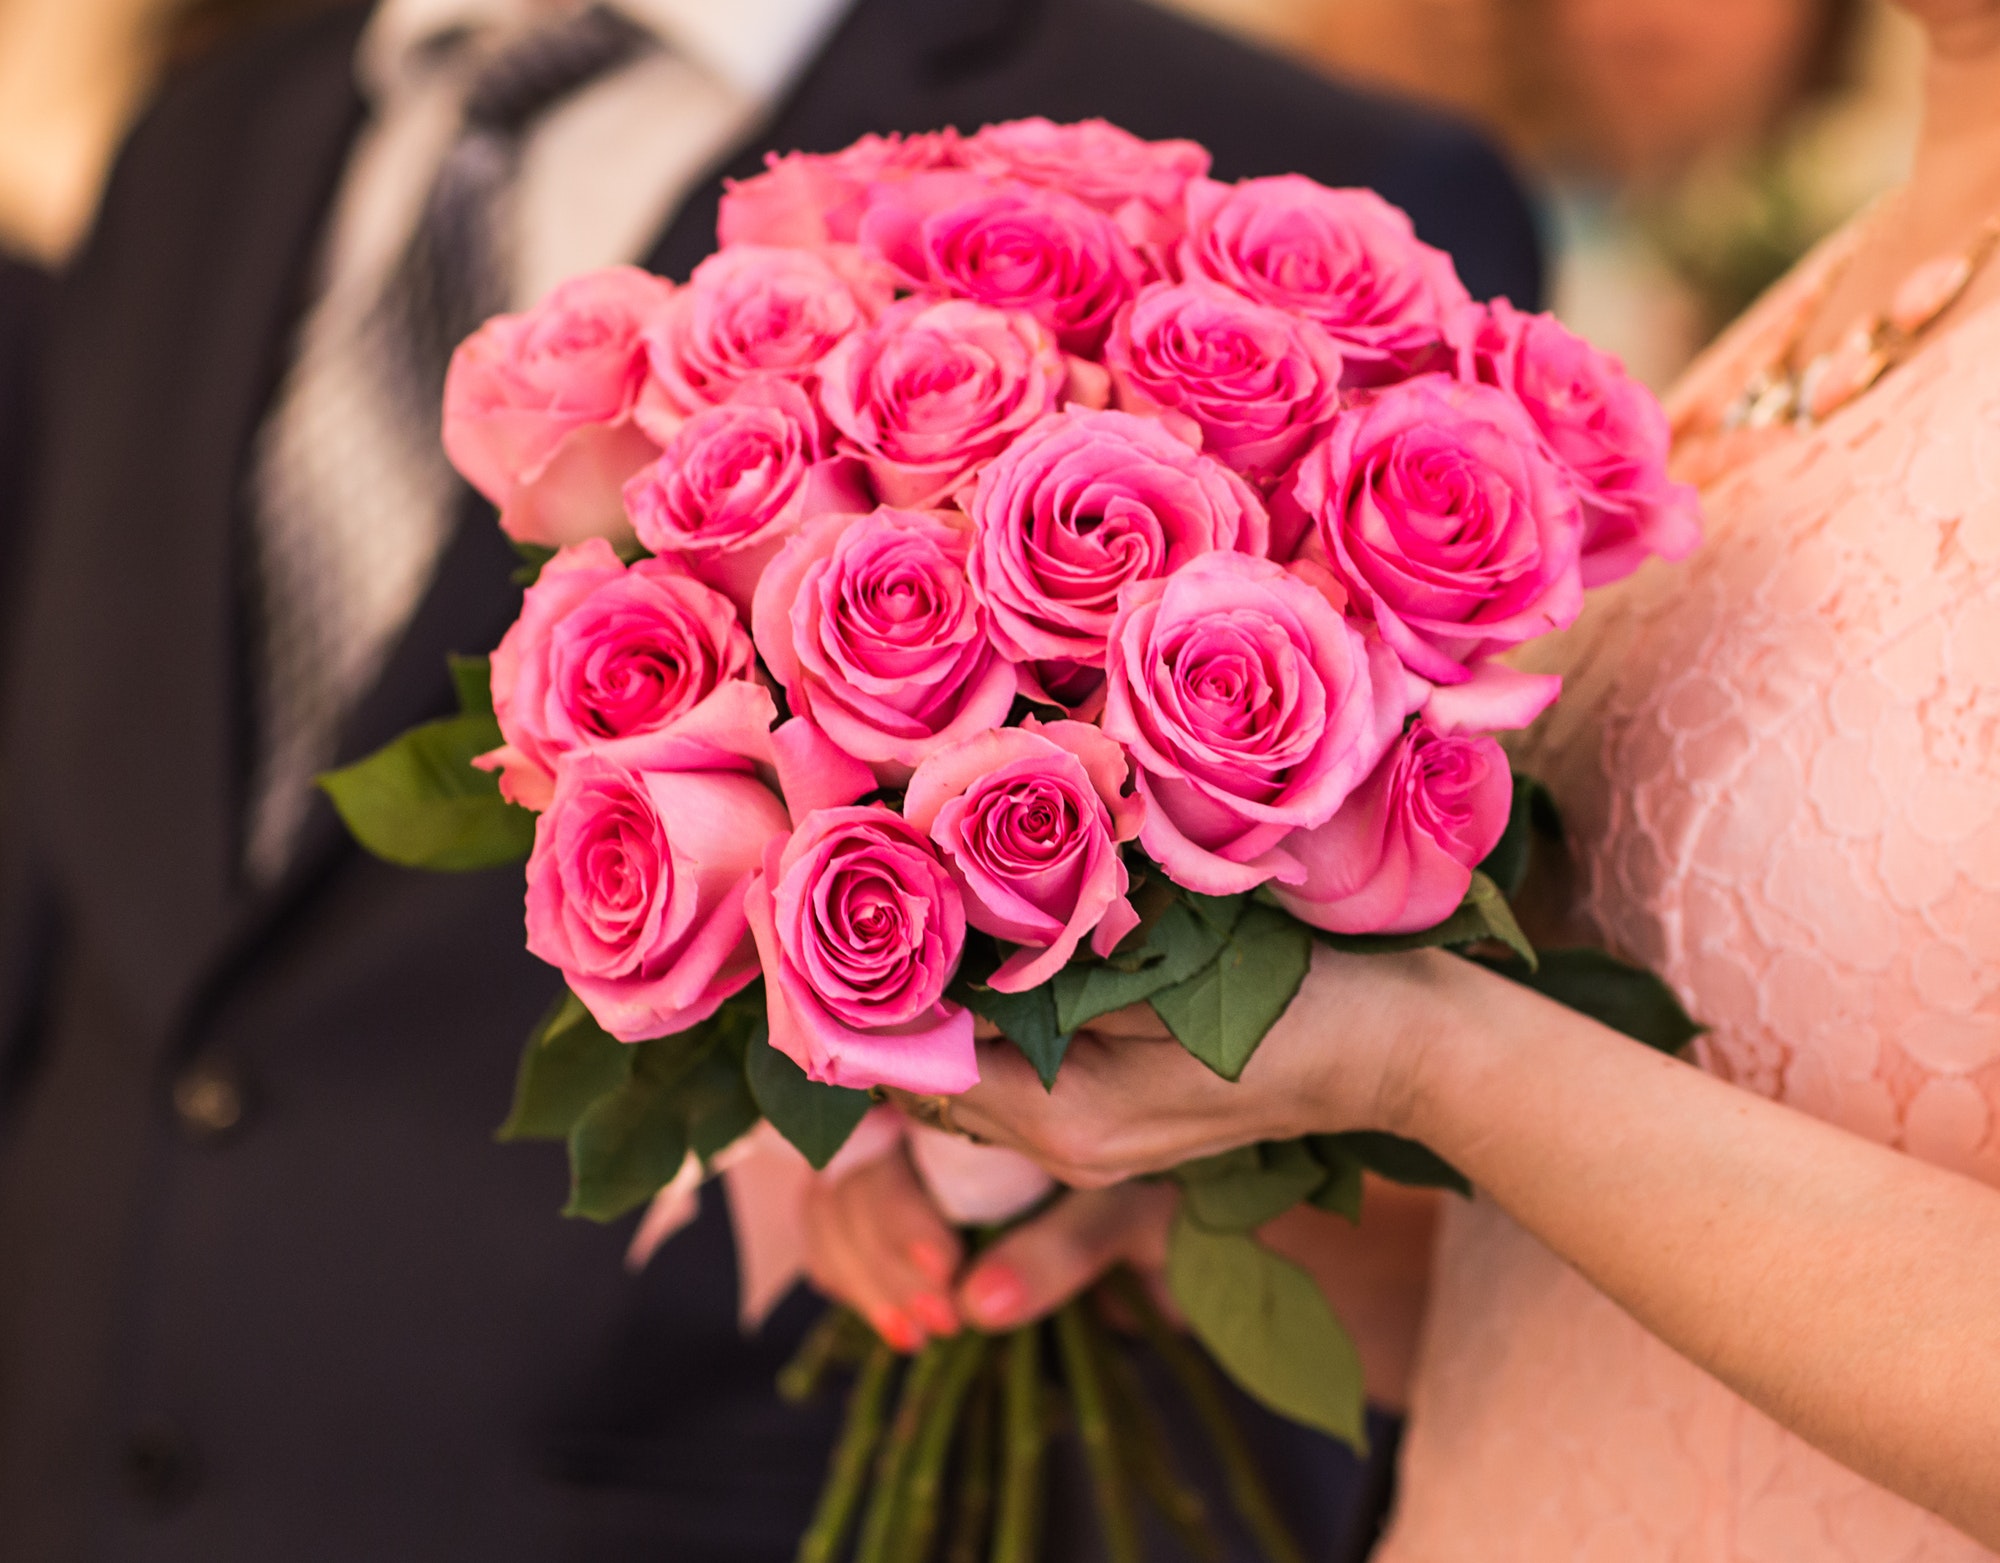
539	407
636	885
1438	509
1345	259
860	929
1257	382
1140	184
933	391
1029	819
1605	429
736	481
749	313
872	629
1080	506
1008	246
603	655
1251	709
1399	855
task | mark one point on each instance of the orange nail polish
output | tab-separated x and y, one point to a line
898	1331
934	1314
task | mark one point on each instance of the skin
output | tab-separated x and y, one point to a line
1842	1287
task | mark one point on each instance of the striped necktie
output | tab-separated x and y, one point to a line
352	499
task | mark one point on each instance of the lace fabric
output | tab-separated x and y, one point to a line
1779	764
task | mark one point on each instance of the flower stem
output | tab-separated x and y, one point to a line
878	1526
842	1492
799	1379
1082	1353
1247	1492
923	1485
1151	1461
1026	1422
973	1506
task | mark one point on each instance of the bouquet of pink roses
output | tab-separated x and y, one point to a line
1015	577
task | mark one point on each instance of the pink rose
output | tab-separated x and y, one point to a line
1011	247
811	200
1605	428
933	391
1251	709
735	481
860	929
1257	382
1439	510
1080	506
1399	855
1029	819
1344	258
749	313
636	884
602	655
872	629
538	407
1140	184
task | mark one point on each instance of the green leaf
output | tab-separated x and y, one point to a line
1395	1158
816	1118
1507	864
1221	1013
630	1143
1179	945
1219	912
716	1102
1483	914
472	677
1236	1192
419	802
570	1061
1265	1321
533	556
1028	1020
1340	1194
1625	998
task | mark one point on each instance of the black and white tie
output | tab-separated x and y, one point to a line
352	499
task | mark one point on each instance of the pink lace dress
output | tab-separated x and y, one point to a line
1780	767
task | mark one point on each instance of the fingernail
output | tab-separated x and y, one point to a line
934	1314
995	1296
933	1261
898	1331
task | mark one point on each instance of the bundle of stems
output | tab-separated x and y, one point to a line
943	1458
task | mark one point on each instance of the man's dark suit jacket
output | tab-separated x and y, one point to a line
347	1325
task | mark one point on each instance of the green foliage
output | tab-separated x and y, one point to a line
1393	1157
1222	1011
1028	1020
1266	1322
628	1144
1625	998
816	1118
570	1061
1179	944
532	556
1482	915
1340	1194
419	802
1242	1189
1531	815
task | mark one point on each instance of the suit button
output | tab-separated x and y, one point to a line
162	1470
211	1099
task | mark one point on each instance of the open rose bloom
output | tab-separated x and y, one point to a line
1015	568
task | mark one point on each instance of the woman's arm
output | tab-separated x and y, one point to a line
1850	1291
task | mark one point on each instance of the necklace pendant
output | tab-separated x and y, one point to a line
1928	292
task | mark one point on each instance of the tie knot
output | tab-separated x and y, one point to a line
533	73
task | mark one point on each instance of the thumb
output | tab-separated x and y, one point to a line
1042	1264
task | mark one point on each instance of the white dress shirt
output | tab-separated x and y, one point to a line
604	170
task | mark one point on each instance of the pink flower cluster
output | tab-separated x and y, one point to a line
1232	486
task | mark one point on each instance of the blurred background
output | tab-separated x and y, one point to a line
1684	152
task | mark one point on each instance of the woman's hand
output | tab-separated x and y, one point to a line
1129	1100
875	1241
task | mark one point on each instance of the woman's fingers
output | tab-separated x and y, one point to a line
875	1241
1039	1266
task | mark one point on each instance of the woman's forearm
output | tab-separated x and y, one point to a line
1850	1291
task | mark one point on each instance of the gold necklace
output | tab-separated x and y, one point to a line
1780	393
